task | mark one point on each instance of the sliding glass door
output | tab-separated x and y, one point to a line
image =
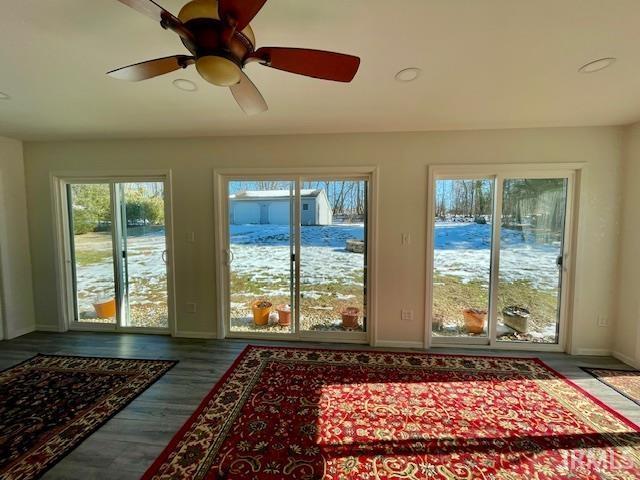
118	254
297	257
498	279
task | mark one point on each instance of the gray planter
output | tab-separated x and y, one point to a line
516	318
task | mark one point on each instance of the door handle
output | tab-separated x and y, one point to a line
164	256
560	262
230	257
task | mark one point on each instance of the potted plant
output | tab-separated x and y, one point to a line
516	317
284	315
105	308
261	310
350	317
474	319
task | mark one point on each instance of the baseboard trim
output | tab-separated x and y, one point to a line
18	333
626	359
398	344
48	328
593	352
186	334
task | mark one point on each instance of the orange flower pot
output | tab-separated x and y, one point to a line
474	320
284	315
261	310
350	317
105	309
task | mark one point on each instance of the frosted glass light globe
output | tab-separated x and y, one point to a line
218	70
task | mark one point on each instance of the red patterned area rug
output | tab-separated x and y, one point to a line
328	414
625	382
50	403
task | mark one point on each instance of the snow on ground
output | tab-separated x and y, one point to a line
263	252
461	249
146	268
464	250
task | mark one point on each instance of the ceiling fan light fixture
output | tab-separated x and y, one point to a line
218	70
199	9
597	65
220	41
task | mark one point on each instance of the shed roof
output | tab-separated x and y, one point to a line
272	194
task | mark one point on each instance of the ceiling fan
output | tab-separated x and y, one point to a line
221	42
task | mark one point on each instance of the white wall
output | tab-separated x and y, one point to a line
402	159
16	300
627	333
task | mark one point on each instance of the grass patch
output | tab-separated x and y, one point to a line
139	231
247	286
85	258
451	296
321	300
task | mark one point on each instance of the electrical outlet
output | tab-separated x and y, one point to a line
406	315
405	239
603	321
192	307
191	237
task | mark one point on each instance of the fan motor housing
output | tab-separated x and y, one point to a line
209	39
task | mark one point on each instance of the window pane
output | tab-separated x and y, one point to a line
261	248
333	255
462	257
145	263
531	242
92	252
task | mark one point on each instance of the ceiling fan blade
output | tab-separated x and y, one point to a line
147	7
155	12
248	97
151	68
241	12
312	63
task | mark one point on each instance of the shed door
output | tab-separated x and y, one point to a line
245	213
308	214
279	213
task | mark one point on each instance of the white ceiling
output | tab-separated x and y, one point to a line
486	64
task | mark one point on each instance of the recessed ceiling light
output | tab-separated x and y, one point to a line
185	85
408	74
4	96
597	65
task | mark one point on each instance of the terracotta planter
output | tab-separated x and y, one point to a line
105	309
350	317
516	318
474	320
284	315
261	310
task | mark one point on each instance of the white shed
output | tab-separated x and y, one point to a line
274	207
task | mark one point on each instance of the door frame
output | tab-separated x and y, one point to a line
222	176
62	245
498	172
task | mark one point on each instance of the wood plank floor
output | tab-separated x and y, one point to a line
126	445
